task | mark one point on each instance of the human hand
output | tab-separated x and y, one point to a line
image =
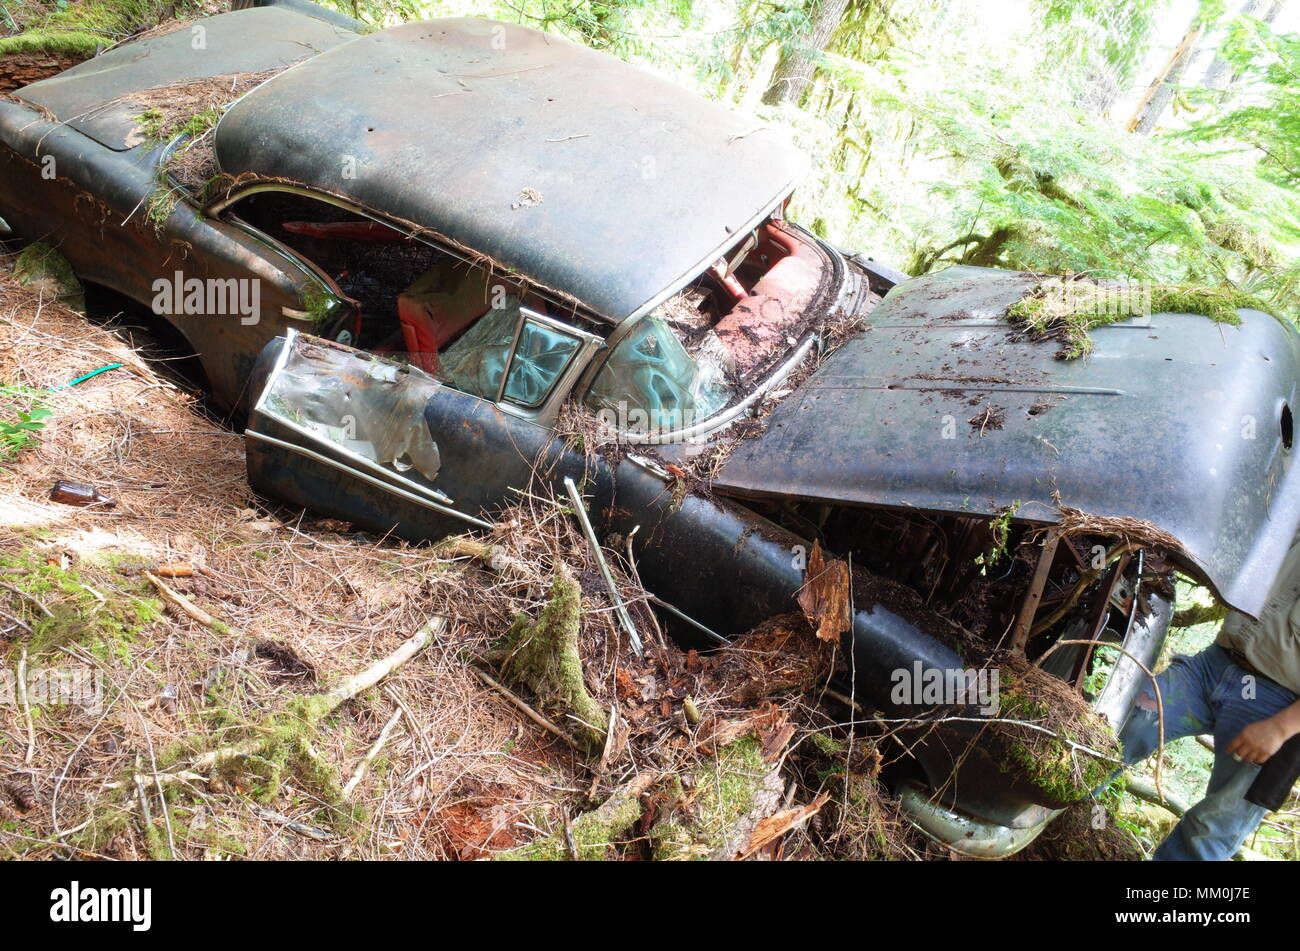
1259	741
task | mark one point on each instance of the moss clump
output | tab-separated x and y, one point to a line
1069	309
544	656
1063	772
81	29
283	748
42	267
73	44
101	608
723	789
159	128
592	834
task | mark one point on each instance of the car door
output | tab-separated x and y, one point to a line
384	445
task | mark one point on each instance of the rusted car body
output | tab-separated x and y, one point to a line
462	230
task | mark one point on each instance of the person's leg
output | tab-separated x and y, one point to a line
1215	828
1185	688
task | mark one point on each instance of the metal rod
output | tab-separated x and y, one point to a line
714	635
619	607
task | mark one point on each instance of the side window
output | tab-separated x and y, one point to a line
513	345
369	264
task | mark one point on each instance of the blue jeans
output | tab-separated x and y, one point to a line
1207	693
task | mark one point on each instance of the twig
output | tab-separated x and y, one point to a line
619	606
293	825
188	607
636	577
27	708
28	597
326	703
525	709
359	683
370	756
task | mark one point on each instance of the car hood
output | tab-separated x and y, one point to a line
1174	420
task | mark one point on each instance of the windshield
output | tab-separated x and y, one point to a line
650	382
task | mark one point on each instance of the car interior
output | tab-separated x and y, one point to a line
413	302
457	321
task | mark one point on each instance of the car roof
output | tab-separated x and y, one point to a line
595	179
95	97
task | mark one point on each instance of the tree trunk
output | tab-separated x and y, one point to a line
1219	75
798	62
1161	91
1220	70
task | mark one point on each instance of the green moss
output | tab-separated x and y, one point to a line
593	834
723	790
544	655
158	129
319	304
280	748
42	264
80	29
69	43
1069	309
1061	771
102	608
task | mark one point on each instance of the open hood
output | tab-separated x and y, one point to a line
1174	420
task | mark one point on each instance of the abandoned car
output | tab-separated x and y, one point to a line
436	246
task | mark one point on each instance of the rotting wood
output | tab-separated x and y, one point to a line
824	597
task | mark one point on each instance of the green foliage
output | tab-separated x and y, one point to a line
1269	122
1022	181
1110	32
1000	527
23	412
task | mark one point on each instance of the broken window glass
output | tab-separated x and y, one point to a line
369	407
476	362
651	382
